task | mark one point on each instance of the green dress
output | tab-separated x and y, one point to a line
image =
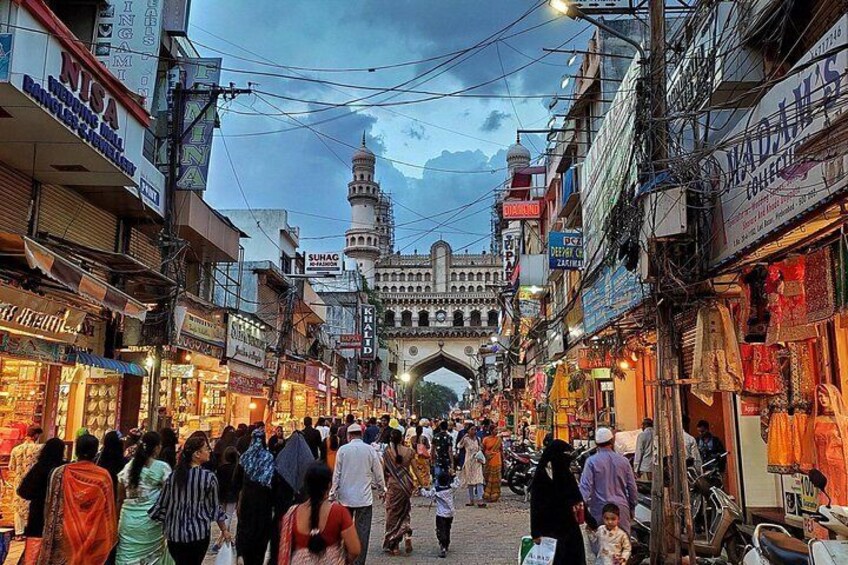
141	541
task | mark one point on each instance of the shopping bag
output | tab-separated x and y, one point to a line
531	554
226	555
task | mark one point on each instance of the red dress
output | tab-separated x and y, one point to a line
338	521
760	368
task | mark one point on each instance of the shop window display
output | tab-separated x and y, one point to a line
88	398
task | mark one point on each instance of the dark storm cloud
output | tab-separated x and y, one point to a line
494	121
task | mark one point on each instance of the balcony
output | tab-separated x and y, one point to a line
212	236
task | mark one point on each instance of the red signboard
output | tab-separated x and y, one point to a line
350	341
588	358
522	209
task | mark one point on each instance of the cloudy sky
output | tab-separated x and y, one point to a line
434	156
292	150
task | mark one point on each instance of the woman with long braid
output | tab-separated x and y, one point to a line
318	531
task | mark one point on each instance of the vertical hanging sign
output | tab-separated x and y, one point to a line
128	37
368	331
201	78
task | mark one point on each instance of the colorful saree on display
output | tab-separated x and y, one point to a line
825	445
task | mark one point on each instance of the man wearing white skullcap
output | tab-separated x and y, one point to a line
608	478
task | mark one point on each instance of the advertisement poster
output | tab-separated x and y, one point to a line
614	292
368	332
324	263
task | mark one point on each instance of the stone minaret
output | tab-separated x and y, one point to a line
363	193
517	157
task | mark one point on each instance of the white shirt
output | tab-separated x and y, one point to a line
427	432
358	468
325	431
445	506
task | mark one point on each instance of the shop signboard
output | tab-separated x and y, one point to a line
510	249
128	41
522	209
293	371
26	312
31	348
613	293
565	250
272	363
589	358
763	184
609	166
201	75
368	332
350	341
199	327
246	379
327	263
175	16
245	341
313	376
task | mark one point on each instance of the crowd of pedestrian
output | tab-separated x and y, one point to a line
303	498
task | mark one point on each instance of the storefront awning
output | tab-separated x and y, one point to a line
71	276
92	360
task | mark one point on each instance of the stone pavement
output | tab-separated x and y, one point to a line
480	536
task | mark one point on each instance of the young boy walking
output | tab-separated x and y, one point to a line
610	543
443	494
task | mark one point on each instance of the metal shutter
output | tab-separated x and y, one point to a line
66	214
15	190
144	249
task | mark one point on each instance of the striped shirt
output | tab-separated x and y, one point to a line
187	513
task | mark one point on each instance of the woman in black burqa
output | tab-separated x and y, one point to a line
553	498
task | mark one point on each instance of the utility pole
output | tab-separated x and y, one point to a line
666	524
171	244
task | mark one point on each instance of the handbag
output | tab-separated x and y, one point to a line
479	457
226	555
542	554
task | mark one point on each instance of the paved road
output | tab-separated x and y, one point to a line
481	536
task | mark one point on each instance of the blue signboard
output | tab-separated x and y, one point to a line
565	250
613	293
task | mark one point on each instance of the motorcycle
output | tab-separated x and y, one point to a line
723	531
521	470
772	544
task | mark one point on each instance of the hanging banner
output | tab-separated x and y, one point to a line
127	43
201	75
368	332
565	250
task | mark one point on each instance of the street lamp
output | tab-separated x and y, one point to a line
405	378
573	11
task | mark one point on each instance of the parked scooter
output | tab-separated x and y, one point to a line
723	517
774	545
521	470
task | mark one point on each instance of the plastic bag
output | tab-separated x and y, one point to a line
226	555
531	554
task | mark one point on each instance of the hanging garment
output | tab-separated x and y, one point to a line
793	302
781	453
760	369
717	365
818	286
803	371
800	421
755	313
825	445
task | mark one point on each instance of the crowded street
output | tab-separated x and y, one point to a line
363	282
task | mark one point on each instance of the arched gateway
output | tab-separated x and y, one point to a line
439	306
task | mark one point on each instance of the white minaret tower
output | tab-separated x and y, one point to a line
363	193
517	157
